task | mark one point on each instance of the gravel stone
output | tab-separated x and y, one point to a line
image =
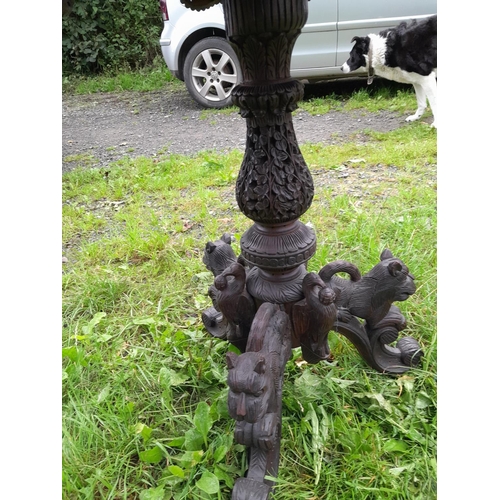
110	126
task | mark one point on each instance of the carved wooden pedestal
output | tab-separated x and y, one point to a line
265	301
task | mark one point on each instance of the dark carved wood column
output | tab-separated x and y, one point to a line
274	187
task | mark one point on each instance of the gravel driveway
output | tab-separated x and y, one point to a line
110	126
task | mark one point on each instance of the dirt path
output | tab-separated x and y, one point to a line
110	126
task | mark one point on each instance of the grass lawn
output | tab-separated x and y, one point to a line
144	385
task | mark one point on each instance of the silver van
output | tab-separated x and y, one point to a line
196	50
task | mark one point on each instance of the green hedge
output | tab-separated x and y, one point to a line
108	35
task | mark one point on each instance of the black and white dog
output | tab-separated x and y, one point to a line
405	54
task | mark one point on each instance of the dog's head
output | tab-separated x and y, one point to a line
357	55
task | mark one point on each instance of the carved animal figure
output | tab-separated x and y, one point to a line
369	297
254	378
251	385
219	255
235	303
313	317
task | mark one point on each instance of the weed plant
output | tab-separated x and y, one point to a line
144	385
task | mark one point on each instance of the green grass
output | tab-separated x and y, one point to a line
144	385
155	77
382	95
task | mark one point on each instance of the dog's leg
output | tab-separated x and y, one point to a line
421	102
430	88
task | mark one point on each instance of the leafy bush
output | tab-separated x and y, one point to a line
102	36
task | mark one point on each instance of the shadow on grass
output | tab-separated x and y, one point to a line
346	87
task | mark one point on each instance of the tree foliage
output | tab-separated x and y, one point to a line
108	35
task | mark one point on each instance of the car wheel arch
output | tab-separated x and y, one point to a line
192	40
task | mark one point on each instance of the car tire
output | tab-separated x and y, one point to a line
211	71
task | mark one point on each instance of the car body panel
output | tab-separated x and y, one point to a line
318	37
182	23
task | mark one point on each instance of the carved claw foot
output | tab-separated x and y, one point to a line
374	348
411	352
407	352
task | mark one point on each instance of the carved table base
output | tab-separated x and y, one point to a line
265	302
265	332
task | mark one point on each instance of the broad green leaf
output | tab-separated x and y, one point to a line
200	301
172	481
319	434
144	321
202	420
170	378
177	442
378	400
71	353
209	483
396	471
407	382
143	430
176	471
191	458
221	403
97	318
341	382
220	453
324	427
193	440
313	418
222	475
423	401
308	386
75	354
152	494
416	436
104	338
152	456
166	397
309	379
178	379
88	329
395	445
233	348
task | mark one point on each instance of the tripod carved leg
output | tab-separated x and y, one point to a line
255	382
